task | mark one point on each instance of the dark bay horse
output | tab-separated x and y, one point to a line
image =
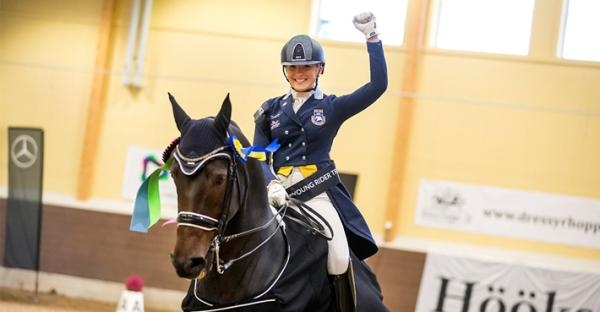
239	253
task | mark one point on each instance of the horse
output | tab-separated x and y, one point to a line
239	253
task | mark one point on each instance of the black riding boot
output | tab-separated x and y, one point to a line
345	292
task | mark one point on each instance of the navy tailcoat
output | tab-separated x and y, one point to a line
306	138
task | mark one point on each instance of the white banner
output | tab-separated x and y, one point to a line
139	164
454	284
505	212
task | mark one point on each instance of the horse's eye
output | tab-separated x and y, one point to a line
219	179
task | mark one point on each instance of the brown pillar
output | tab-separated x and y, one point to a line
95	112
413	42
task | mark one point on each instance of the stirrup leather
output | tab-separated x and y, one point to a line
345	290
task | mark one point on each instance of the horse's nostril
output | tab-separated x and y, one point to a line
188	267
197	262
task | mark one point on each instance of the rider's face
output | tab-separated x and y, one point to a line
302	77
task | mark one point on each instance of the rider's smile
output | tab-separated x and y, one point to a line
302	77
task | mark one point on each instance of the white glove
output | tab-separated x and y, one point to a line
365	22
277	194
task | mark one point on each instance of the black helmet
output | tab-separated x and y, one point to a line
302	50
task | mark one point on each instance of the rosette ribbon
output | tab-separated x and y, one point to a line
258	152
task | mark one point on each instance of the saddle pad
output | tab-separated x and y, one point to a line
259	305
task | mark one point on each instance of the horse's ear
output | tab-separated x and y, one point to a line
181	118
224	116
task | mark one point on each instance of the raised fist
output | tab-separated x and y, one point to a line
365	22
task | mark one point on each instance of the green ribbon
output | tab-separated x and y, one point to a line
146	210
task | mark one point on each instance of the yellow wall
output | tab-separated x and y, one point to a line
528	123
46	56
507	124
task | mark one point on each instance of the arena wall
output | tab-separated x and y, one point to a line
98	246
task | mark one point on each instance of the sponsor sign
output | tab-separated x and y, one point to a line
457	284
512	213
24	202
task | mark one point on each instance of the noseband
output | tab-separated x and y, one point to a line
207	223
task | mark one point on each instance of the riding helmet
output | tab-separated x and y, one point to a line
302	50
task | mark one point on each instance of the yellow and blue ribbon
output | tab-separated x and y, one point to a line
258	152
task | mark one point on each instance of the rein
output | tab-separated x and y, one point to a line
311	222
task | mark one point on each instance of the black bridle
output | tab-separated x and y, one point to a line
207	223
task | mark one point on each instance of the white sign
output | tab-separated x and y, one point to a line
455	284
139	164
505	212
131	301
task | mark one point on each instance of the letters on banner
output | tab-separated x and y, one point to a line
457	284
537	216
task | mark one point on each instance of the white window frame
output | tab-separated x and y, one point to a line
562	41
470	45
391	34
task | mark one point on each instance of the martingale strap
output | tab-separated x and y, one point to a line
315	184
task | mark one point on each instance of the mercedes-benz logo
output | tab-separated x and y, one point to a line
24	151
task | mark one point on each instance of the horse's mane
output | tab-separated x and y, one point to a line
169	150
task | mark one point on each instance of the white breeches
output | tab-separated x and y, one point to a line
338	256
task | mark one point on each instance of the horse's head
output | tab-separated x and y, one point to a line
204	172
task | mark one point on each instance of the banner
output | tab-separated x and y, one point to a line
456	284
24	203
504	212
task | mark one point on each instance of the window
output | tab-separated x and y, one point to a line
492	26
581	30
334	19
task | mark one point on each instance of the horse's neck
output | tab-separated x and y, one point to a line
251	275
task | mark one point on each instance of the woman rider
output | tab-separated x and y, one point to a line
305	122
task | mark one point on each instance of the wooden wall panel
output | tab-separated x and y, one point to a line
399	274
99	245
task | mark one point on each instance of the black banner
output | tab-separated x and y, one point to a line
24	203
